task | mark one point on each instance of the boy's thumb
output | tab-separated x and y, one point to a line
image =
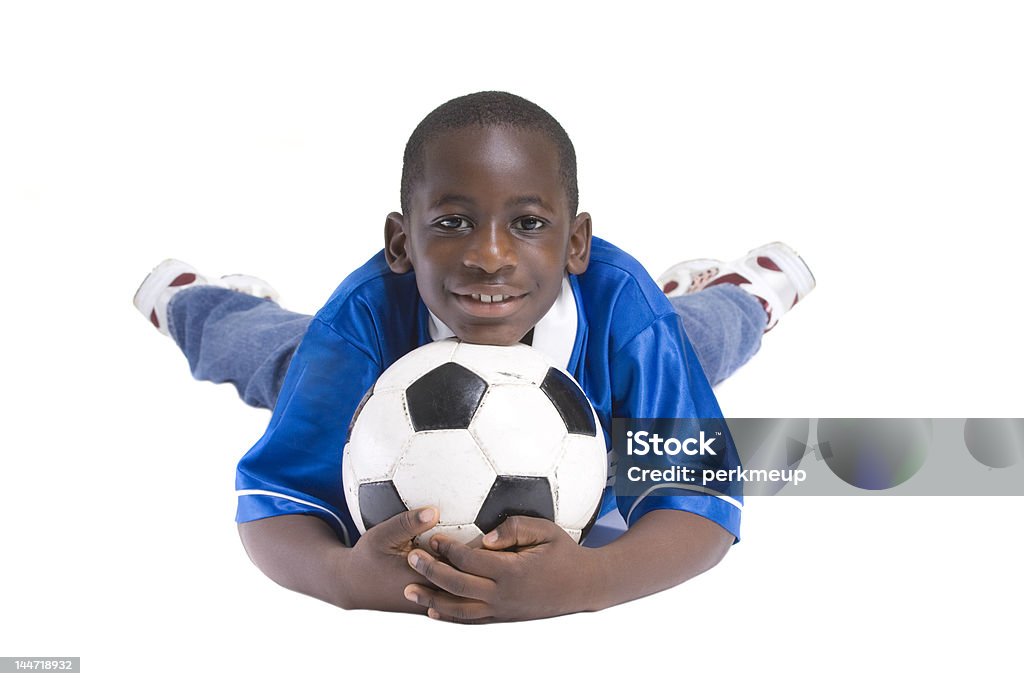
408	524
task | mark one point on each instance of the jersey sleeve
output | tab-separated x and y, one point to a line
296	467
656	375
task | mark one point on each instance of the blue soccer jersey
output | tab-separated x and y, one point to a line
611	328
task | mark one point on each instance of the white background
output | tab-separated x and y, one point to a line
882	139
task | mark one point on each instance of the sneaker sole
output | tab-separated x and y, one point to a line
792	265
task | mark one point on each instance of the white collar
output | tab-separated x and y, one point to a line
554	335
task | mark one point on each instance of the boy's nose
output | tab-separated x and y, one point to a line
491	249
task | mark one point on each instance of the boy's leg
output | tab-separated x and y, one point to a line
236	338
726	307
724	325
230	329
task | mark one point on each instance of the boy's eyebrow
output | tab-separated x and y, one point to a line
528	200
455	198
448	198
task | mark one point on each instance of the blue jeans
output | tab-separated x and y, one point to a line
248	342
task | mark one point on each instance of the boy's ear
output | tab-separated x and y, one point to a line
579	244
396	244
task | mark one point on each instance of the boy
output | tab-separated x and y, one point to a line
489	247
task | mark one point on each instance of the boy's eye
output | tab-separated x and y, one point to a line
452	223
528	224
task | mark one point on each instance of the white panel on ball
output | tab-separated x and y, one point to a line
350	482
580	479
519	430
379	436
457	485
513	364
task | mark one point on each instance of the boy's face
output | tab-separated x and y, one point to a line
488	232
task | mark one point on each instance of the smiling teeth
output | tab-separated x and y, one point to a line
484	298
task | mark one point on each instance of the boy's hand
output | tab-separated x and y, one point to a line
529	569
375	570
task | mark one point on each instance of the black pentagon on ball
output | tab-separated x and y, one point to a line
379	501
571	403
516	495
446	397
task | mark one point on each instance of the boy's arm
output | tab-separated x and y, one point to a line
302	553
662	549
551	575
295	468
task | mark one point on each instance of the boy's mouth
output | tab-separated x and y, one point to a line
489	301
484	298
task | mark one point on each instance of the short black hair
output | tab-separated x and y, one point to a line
488	108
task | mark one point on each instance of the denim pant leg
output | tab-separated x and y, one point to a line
724	325
236	338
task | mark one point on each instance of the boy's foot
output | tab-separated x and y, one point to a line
773	273
171	276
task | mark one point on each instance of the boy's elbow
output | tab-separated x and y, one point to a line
706	542
254	538
296	552
713	541
720	546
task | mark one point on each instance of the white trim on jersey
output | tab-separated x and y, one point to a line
254	491
555	333
700	489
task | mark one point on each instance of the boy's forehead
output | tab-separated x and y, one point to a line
494	159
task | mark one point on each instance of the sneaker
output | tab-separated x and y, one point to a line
171	276
157	289
773	273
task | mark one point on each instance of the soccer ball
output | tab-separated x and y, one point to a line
482	433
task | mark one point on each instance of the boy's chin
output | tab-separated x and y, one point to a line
491	336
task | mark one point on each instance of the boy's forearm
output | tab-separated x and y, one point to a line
302	553
298	552
662	549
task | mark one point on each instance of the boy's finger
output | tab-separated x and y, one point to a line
447	607
462	557
446	577
520	531
407	525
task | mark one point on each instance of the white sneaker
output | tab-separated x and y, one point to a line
157	289
773	273
171	276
